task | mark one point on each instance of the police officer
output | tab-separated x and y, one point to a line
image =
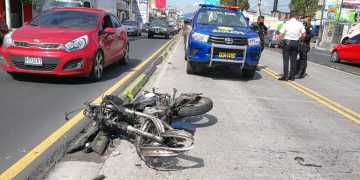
290	31
260	28
305	47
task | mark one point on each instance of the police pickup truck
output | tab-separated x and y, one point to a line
221	35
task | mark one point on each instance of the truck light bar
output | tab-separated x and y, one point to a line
236	8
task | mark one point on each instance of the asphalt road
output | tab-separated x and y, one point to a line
323	57
33	107
258	129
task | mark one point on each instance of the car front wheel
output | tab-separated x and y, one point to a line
335	57
98	67
126	58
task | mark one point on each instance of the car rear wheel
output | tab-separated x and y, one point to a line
125	59
98	67
335	57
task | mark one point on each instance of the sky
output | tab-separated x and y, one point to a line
188	6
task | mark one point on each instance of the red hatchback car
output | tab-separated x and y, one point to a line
347	51
66	42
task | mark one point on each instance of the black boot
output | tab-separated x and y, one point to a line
300	75
284	78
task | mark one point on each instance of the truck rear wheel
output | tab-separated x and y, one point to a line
190	68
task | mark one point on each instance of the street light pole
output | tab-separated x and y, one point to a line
321	28
8	13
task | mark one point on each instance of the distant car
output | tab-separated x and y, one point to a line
271	38
3	31
132	28
145	27
347	50
172	29
66	42
159	28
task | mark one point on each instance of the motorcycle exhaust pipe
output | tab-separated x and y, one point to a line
129	128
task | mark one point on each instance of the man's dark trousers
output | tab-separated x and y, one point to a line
290	52
304	50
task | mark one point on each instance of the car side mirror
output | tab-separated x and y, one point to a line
110	30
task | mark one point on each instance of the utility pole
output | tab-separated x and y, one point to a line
321	28
8	13
258	13
342	1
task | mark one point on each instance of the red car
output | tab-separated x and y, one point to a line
66	42
347	51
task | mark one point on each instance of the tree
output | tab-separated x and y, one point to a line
243	4
304	7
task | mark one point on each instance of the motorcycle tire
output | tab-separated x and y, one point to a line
201	106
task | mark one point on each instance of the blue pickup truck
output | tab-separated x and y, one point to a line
220	35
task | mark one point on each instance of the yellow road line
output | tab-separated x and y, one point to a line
21	164
309	94
321	96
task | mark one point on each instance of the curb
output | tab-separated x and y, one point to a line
134	88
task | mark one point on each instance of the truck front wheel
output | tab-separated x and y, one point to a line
190	68
248	73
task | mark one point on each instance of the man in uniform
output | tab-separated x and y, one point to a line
305	47
260	28
290	31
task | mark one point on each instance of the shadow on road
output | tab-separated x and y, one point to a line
111	72
202	121
175	163
226	73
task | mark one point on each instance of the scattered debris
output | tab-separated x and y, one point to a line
22	150
301	161
8	157
137	164
115	153
101	177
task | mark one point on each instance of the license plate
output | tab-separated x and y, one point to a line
33	61
227	55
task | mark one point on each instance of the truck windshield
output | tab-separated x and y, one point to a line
221	18
66	19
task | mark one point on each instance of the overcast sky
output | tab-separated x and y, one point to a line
188	6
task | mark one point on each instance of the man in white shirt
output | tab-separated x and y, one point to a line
291	32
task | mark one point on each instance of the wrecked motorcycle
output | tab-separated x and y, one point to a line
171	108
154	137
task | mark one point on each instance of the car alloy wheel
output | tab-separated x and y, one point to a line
98	66
126	57
335	57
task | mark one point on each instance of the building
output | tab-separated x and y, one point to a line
15	12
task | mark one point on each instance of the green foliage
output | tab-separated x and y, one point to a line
304	7
244	4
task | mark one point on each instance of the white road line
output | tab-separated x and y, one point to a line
322	54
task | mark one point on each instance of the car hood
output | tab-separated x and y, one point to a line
225	31
47	34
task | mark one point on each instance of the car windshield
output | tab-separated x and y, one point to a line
159	24
66	19
130	23
221	18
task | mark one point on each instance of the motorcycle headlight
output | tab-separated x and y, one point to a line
254	41
200	37
77	44
8	40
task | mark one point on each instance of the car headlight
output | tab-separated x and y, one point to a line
77	44
8	40
254	41
200	37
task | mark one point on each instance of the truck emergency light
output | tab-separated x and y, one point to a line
235	8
